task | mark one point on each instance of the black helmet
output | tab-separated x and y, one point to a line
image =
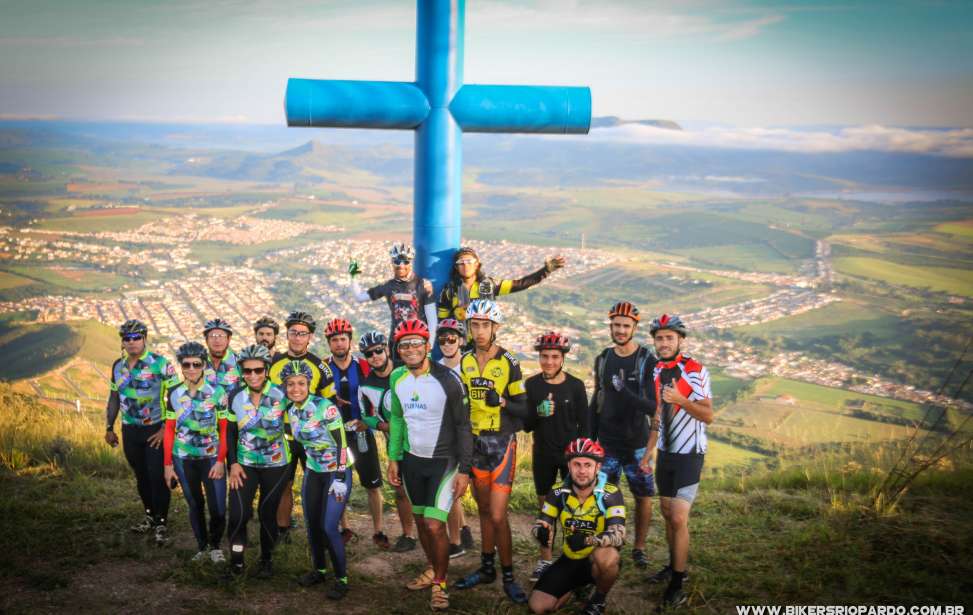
217	324
671	322
266	321
133	327
372	338
192	349
253	352
298	317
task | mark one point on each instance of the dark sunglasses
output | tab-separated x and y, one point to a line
371	353
254	370
448	339
132	337
191	364
401	261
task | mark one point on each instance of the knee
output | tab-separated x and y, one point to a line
433	526
606	558
498	517
538	603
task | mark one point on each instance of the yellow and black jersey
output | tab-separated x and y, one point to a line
455	297
502	373
602	509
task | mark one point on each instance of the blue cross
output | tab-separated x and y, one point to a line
440	108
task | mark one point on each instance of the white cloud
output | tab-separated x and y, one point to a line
954	142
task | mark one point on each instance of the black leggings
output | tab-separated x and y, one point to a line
322	514
194	478
146	462
271	482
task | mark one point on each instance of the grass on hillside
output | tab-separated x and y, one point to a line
950	280
59	279
94	224
36	350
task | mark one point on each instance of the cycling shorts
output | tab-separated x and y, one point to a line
546	473
494	461
678	475
367	465
428	484
564	575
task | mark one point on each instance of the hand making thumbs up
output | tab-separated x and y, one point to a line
671	394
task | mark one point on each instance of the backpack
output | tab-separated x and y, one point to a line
645	359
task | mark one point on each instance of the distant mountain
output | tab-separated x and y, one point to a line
611	121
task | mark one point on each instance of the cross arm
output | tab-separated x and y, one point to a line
354	104
522	108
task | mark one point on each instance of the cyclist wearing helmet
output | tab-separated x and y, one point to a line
316	424
498	406
408	295
682	390
300	332
349	372
195	449
430	447
222	369
265	332
467	282
138	383
591	512
622	416
451	336
374	399
557	406
258	457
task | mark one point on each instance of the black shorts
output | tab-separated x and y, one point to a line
677	475
565	575
367	465
546	472
298	455
428	484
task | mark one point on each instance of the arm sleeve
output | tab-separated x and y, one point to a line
369	413
444	306
593	414
396	428
232	436
551	508
531	279
358	294
614	534
114	401
168	439
530	421
221	452
459	406
516	392
432	318
583	412
645	405
337	429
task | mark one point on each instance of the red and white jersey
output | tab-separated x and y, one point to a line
679	432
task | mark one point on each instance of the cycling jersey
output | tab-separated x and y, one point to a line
406	298
621	418
602	509
138	391
258	430
502	373
322	383
679	432
455	297
375	399
571	418
430	416
317	425
194	422
346	383
227	375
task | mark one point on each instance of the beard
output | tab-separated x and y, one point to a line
585	485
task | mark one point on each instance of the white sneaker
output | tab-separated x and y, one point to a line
201	556
542	565
217	557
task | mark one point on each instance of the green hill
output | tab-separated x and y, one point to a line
33	350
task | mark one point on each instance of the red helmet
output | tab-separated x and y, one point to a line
669	321
552	340
337	326
584	447
410	327
624	308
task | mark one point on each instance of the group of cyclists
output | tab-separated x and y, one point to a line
233	424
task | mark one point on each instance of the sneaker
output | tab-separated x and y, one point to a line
312	578
439	600
466	538
266	569
145	526
456	551
348	536
201	556
161	535
515	592
477	577
338	590
673	598
593	608
640	559
381	541
422	581
542	565
404	544
663	576
216	556
583	592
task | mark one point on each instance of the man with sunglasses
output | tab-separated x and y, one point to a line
374	399
430	448
195	449
408	295
450	336
467	282
265	332
222	369
300	327
138	383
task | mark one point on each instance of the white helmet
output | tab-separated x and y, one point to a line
484	309
402	251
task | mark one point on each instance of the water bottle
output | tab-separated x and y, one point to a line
362	441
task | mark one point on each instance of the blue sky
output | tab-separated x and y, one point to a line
753	64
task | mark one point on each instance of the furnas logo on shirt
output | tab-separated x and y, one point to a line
415	405
415	396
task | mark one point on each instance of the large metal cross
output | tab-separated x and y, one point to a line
439	107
